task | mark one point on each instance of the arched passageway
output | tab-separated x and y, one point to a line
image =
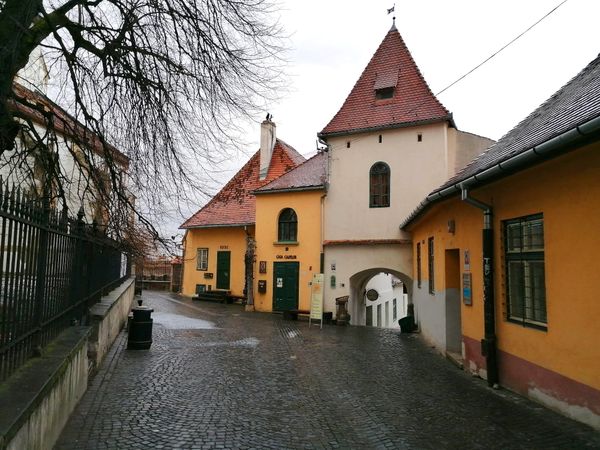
389	305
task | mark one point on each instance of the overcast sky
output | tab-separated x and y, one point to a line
332	42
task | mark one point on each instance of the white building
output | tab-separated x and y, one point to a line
389	145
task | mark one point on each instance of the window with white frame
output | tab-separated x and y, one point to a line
525	270
202	259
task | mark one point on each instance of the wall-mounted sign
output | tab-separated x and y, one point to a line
262	267
285	257
467	291
279	282
208	275
372	295
333	266
467	264
223	247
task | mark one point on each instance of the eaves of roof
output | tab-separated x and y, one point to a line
447	118
572	139
216	225
292	189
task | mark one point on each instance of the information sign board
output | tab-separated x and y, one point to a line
316	298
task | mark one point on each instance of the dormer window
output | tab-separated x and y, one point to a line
381	94
385	84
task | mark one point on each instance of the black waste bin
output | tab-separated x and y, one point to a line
407	324
140	328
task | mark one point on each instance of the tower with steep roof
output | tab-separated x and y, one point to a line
390	143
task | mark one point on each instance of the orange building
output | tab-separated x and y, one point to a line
505	256
289	237
217	236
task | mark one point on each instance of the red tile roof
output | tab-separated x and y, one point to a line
413	102
311	174
234	205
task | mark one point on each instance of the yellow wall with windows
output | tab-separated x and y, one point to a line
307	250
232	239
566	191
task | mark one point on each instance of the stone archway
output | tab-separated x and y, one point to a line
358	282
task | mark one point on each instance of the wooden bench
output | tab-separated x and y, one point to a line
293	314
214	296
236	298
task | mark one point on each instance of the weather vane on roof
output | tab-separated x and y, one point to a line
391	10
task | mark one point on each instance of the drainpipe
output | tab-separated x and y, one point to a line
488	344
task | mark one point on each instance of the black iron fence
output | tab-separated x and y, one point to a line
53	269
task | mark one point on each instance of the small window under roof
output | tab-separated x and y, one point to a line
384	93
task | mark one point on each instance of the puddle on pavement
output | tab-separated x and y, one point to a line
177	322
250	342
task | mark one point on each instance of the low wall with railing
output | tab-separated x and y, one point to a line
108	317
43	393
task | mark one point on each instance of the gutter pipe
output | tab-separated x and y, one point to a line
488	343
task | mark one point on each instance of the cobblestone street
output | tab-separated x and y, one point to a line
218	377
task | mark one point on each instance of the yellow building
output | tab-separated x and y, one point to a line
289	237
217	236
505	256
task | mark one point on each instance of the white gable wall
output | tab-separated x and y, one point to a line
416	168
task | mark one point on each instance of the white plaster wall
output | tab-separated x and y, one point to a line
367	261
464	147
430	314
44	426
35	75
416	169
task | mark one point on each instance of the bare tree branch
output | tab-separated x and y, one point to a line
166	82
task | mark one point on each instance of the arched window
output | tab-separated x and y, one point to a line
379	178
288	226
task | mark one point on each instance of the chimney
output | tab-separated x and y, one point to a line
267	142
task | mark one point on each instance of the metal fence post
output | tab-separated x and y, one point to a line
78	262
40	279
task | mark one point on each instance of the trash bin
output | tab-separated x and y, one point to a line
407	324
140	328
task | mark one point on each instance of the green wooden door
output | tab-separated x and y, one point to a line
223	269
285	286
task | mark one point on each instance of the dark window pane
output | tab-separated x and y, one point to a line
288	225
379	185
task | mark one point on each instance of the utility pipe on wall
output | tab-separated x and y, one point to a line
488	344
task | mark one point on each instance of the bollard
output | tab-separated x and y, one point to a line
140	328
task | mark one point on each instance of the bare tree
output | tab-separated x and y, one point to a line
164	81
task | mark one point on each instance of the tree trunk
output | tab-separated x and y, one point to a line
18	41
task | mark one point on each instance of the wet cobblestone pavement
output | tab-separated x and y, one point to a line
249	380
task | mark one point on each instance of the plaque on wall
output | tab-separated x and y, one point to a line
262	267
